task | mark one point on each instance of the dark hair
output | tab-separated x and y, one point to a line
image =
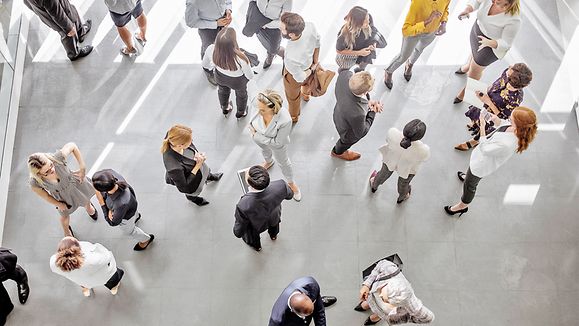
258	178
413	131
293	22
226	54
521	75
104	181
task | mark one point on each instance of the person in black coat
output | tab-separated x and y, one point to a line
260	209
10	270
300	303
61	16
185	166
354	111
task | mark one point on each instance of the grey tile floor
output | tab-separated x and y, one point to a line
500	264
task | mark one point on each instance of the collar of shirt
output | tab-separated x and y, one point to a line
255	190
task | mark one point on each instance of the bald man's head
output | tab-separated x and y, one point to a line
301	305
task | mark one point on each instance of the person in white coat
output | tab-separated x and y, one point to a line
270	128
403	153
86	264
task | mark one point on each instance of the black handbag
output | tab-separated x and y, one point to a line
392	258
378	38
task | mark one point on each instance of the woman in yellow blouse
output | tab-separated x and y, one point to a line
425	20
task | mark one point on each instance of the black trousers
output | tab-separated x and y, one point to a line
251	237
342	146
19	276
226	84
469	187
270	38
115	279
207	38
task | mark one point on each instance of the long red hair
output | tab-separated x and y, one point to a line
525	121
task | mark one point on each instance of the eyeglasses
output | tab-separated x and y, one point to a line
49	171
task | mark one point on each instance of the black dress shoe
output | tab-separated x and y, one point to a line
328	300
359	307
215	176
83	52
139	248
94	215
240	115
84	30
199	201
268	61
23	292
461	175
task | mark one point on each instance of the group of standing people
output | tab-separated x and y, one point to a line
501	128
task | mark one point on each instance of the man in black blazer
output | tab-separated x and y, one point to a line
354	111
260	208
299	303
9	270
62	17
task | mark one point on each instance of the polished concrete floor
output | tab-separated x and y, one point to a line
513	259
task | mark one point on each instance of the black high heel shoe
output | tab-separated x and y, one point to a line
369	321
456	100
359	307
451	212
459	71
240	115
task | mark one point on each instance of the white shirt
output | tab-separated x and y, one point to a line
491	153
404	161
273	9
277	132
502	28
299	54
243	68
98	267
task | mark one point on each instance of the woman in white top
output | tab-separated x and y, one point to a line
491	36
403	153
270	128
494	150
232	70
87	265
391	298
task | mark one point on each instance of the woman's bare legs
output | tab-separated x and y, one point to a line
474	71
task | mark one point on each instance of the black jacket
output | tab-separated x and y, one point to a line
7	263
178	171
351	115
59	15
261	210
281	314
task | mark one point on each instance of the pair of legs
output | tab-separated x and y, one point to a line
281	156
71	43
293	91
19	276
403	183
129	227
121	20
270	38
473	71
342	150
252	238
225	85
65	219
112	284
468	191
412	48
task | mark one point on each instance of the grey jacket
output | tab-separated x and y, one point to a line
56	14
121	6
204	14
351	115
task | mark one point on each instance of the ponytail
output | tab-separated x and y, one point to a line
525	121
69	255
405	143
165	146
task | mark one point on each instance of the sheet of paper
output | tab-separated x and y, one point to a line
472	86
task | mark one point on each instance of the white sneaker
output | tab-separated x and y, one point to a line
298	195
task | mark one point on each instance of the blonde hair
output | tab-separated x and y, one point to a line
69	256
525	121
275	98
361	82
515	7
35	163
178	134
354	26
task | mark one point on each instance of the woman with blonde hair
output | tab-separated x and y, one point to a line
492	35
494	150
270	128
52	180
185	166
357	40
86	264
232	70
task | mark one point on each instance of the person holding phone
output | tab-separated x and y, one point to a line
492	35
501	98
494	151
52	180
425	20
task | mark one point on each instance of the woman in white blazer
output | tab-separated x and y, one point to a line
270	128
492	34
493	151
403	153
87	265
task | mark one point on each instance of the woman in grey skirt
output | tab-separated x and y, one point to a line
53	181
491	36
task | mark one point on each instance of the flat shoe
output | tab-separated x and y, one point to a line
459	71
139	248
94	215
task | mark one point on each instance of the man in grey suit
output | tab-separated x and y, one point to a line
62	17
260	208
209	17
299	303
354	111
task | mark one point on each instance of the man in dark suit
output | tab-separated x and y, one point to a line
9	270
299	303
62	17
354	111
260	208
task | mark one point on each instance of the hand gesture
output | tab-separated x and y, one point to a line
224	21
375	106
365	51
72	32
364	293
110	217
61	206
200	158
484	42
79	175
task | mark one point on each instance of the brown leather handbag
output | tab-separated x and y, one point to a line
319	81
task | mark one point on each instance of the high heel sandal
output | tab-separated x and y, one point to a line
449	211
464	146
359	307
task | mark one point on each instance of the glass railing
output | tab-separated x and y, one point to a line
7	51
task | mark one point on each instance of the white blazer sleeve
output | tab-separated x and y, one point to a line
510	31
